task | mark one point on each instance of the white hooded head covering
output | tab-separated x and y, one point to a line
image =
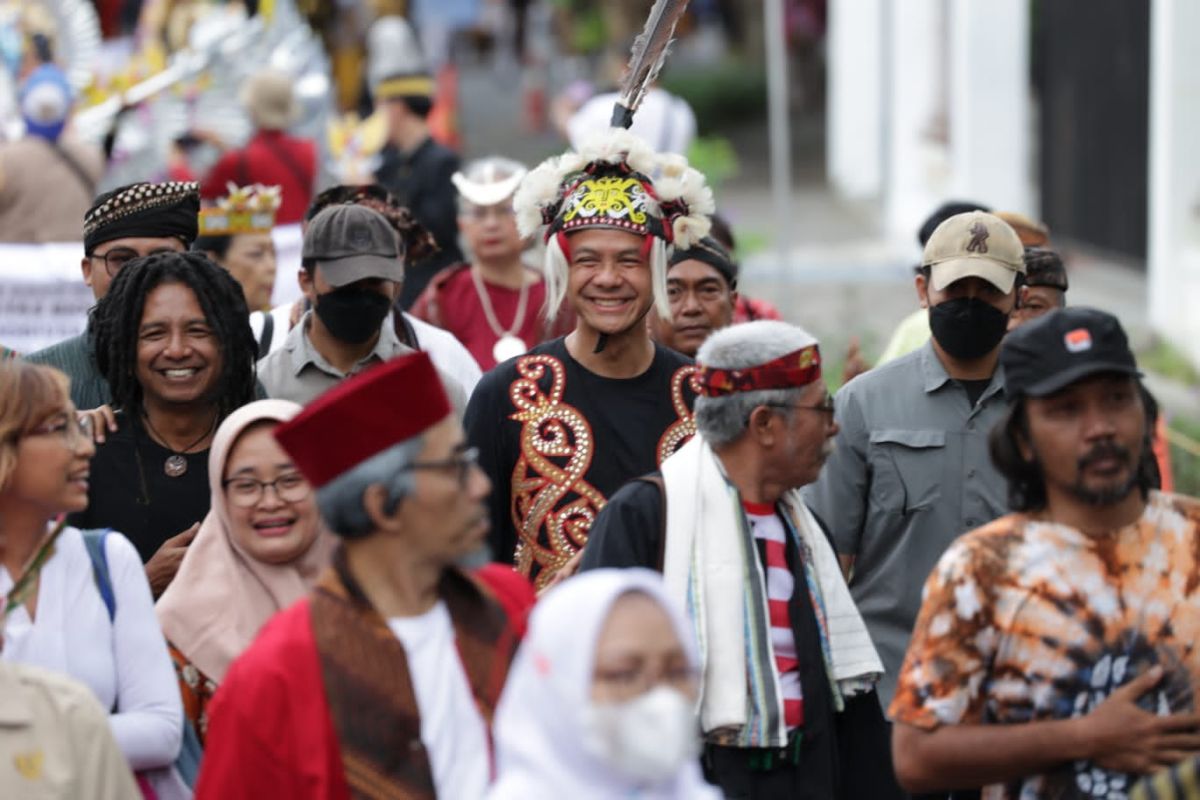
539	728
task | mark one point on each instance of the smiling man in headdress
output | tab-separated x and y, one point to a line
123	224
563	426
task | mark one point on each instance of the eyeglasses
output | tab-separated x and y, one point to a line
461	462
826	406
481	213
70	429
118	257
245	492
635	681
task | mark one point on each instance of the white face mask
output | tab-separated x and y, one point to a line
647	739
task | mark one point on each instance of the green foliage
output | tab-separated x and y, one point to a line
720	94
715	157
1162	358
1185	464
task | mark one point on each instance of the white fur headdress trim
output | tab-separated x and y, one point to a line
682	191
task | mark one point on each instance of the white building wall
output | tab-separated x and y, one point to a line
1173	258
854	112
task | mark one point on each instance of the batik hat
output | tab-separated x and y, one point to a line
616	181
143	210
248	209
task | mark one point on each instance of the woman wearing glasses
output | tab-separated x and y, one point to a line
259	550
600	699
64	616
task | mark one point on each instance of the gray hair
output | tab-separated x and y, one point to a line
722	420
340	500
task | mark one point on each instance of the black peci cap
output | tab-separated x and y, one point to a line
1050	353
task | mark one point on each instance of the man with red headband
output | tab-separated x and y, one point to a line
383	681
563	426
788	665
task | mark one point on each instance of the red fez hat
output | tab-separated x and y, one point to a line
363	416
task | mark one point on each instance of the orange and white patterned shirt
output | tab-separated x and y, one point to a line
1026	620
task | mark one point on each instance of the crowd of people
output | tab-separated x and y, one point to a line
457	524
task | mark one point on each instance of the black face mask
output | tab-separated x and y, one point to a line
967	327
352	314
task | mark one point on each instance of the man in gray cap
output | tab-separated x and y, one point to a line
352	267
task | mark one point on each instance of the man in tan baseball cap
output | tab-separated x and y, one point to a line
910	469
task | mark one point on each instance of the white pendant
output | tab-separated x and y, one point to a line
506	347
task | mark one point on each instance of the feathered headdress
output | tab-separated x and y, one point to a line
609	184
649	53
617	181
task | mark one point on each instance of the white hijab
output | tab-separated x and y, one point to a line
539	720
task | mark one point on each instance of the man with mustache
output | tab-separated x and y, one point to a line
783	645
702	290
383	681
1054	655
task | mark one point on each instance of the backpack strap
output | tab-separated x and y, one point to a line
268	332
93	540
656	480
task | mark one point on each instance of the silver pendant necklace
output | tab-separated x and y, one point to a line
176	465
508	344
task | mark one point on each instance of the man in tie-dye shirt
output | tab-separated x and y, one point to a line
1055	655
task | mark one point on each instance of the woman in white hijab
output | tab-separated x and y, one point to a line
600	700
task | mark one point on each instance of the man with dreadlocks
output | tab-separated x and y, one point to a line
128	222
563	426
174	342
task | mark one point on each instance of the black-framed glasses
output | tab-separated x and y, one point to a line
461	461
115	259
247	492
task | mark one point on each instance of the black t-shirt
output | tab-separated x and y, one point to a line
130	493
573	440
975	389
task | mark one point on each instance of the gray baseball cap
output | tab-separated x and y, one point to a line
350	243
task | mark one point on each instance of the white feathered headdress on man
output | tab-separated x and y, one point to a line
609	184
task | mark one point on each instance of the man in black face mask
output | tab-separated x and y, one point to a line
352	269
911	470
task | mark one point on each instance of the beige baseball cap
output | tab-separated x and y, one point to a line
974	244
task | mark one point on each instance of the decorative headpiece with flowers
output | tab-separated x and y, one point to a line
615	181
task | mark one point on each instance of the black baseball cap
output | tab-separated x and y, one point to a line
1050	353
